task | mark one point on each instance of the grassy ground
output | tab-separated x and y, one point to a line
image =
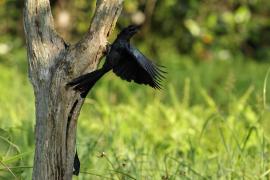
211	121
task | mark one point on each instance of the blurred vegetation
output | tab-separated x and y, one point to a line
211	120
207	30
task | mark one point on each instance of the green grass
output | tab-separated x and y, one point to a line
211	121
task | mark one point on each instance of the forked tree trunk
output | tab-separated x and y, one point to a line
53	63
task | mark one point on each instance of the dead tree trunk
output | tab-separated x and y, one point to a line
53	63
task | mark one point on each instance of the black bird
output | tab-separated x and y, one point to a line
126	61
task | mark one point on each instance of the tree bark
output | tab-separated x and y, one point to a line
52	63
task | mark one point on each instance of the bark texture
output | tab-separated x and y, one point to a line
52	63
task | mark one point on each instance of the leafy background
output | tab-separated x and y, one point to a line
210	121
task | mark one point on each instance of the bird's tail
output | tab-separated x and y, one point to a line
84	83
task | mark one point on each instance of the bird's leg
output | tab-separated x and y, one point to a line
108	48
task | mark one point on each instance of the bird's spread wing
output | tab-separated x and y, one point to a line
135	66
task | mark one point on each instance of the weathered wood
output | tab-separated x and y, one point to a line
53	63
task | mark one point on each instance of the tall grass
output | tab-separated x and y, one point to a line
209	122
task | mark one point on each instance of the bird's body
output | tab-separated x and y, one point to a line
126	61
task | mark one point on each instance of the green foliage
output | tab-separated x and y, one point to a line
209	122
207	30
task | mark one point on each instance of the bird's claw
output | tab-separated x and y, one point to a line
107	48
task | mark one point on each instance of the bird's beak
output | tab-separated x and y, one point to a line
139	26
136	28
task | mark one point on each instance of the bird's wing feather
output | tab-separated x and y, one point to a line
147	64
135	66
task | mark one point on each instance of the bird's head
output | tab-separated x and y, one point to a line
129	31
